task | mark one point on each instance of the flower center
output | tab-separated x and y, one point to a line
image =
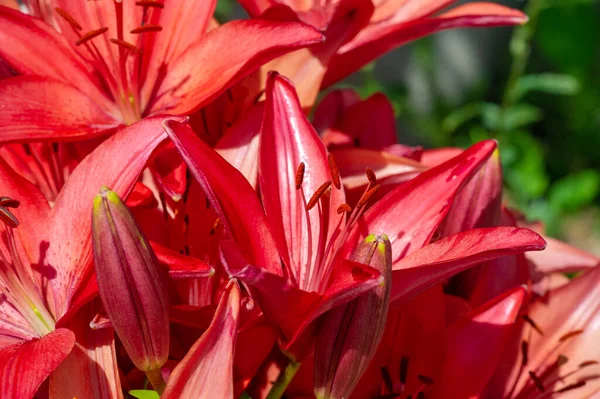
120	76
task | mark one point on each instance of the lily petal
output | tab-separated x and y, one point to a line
450	255
24	366
560	257
208	366
35	108
379	39
191	82
180	266
116	163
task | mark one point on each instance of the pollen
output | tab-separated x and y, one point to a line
335	173
90	35
344	208
146	28
315	197
68	17
300	175
371	176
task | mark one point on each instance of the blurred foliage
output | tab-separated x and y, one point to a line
542	105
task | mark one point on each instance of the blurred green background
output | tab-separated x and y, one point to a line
534	88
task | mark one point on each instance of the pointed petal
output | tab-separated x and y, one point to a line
378	39
199	82
559	257
475	345
90	370
208	366
33	47
287	140
230	194
180	266
35	108
24	366
117	163
412	212
450	255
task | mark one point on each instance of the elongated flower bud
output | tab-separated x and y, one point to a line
132	286
349	334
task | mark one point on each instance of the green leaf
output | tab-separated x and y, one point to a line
144	394
575	191
505	120
551	83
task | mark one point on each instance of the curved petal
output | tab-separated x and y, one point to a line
33	47
412	212
34	108
378	39
180	266
287	139
450	255
208	366
116	163
234	200
211	65
560	257
24	366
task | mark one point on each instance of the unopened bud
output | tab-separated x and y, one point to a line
131	284
349	334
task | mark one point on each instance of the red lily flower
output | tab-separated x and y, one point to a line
110	63
46	270
314	242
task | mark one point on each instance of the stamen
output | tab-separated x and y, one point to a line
569	335
367	196
90	35
403	369
335	173
537	382
532	323
587	363
146	28
371	176
524	353
300	175
387	379
344	208
561	360
315	197
68	17
6	215
425	380
570	387
126	45
8	202
149	3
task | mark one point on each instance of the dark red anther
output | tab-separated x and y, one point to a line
533	324
344	208
569	335
335	173
90	35
587	363
524	353
6	215
68	17
300	175
146	28
537	382
570	387
425	380
387	379
126	45
403	369
367	196
149	3
315	197
371	176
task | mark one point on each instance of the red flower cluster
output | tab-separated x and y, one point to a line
174	225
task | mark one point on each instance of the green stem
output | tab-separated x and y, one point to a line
285	377
156	380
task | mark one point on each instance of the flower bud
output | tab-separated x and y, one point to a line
132	286
348	335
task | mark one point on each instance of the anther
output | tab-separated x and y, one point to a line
570	387
561	360
315	197
424	379
300	175
335	173
524	353
371	176
149	3
344	208
8	202
368	196
532	323
68	17
6	215
587	363
569	335
403	369
387	379
126	45
146	28
90	35
537	382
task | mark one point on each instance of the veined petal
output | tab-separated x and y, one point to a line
411	213
24	366
117	163
35	108
192	81
448	256
208	366
379	39
14	328
476	344
287	140
231	195
180	266
33	47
